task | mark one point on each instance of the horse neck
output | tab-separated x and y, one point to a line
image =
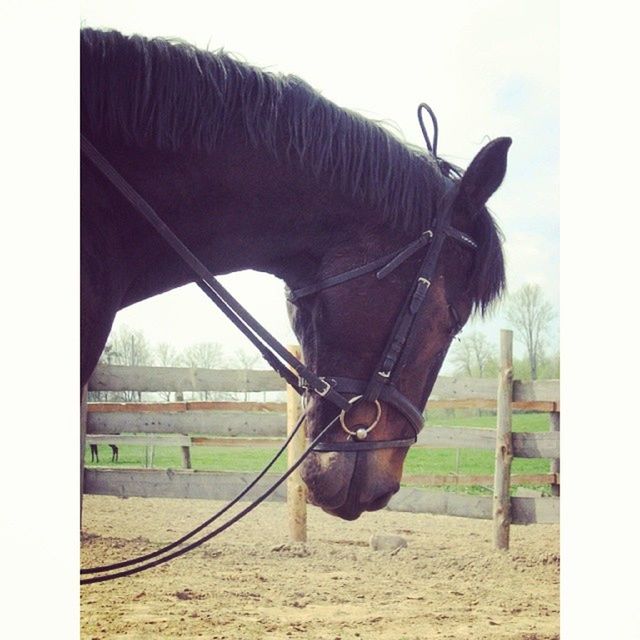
235	209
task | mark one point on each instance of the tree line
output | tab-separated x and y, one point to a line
530	317
130	347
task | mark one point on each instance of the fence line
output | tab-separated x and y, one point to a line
263	423
537	395
221	485
244	432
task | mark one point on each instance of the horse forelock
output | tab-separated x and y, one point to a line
170	95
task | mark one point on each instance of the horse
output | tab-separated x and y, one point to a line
257	170
94	453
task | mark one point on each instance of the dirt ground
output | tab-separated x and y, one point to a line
252	583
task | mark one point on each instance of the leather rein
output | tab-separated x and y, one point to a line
380	387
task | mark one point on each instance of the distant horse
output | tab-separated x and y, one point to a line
255	170
94	453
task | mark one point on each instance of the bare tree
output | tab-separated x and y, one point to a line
461	356
130	347
205	355
473	355
246	360
166	355
530	314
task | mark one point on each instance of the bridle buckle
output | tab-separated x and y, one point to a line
322	393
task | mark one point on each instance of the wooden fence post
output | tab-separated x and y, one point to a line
296	489
554	467
186	457
504	445
186	451
83	433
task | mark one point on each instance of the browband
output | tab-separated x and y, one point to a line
388	263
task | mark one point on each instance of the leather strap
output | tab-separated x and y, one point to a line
389	394
397	340
461	237
363	445
388	262
340	278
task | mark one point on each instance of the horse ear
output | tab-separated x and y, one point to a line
485	173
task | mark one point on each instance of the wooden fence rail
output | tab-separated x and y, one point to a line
188	424
269	430
539	395
268	420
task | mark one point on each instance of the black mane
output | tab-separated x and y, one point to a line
173	96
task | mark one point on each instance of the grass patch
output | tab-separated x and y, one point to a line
522	422
418	462
247	459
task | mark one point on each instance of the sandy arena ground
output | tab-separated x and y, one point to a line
251	583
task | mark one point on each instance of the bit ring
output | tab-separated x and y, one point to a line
361	432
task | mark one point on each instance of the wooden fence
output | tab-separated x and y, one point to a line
195	424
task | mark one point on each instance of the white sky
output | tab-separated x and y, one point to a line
487	68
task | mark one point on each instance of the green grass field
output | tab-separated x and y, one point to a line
418	462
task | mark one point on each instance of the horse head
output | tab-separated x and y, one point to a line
367	301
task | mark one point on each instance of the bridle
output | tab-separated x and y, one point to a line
380	387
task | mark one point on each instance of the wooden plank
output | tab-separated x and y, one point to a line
220	423
174	407
141	440
531	444
461	388
124	378
251	443
536	445
525	445
535	510
446	503
180	379
186	457
466	390
208	485
504	445
136	407
253	430
457	437
483	480
523	510
540	406
530	391
176	483
296	488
